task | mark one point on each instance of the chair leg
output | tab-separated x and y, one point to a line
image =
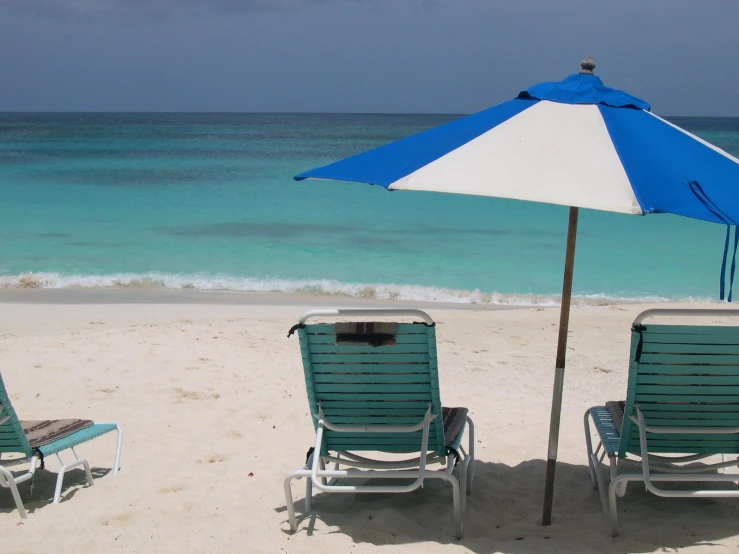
594	465
589	447
18	502
616	485
86	465
35	463
29	494
322	467
470	469
463	475
463	483
7	476
290	505
470	474
63	469
289	496
600	486
119	443
309	483
305	472
308	495
335	480
457	500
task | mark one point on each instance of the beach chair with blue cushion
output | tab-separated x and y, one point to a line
373	386
682	406
30	442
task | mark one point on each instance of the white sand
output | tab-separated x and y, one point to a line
212	403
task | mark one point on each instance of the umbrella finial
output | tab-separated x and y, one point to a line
587	66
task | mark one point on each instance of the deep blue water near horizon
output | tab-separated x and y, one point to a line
207	201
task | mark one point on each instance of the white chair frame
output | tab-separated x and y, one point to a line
326	480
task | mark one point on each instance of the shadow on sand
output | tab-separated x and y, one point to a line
43	489
504	514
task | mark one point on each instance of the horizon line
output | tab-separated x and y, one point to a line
209	112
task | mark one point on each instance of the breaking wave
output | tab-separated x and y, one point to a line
318	287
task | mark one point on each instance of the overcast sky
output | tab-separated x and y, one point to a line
428	56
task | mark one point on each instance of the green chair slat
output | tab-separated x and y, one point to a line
708	380
363	418
390	437
664	341
682	348
377	357
357	445
360	446
687	389
11	445
695	332
366	396
703	439
422	367
692	422
12	428
330	339
383	388
368	419
686	358
690	448
666	369
376	408
401	329
369	350
686	447
376	378
712	409
721	399
382	404
376	443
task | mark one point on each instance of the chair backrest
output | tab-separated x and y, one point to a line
12	438
392	383
683	376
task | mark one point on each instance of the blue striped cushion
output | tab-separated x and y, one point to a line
606	429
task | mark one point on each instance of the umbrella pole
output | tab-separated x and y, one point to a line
559	372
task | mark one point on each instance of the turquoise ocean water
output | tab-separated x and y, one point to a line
207	201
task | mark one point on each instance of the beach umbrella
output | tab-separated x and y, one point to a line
575	143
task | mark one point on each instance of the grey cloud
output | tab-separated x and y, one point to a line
418	56
147	8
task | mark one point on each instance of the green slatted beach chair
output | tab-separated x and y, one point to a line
374	387
682	405
30	442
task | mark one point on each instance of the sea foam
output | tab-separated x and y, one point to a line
319	287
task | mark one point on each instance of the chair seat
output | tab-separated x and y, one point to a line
606	428
76	438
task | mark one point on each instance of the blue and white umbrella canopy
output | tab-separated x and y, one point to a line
575	143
